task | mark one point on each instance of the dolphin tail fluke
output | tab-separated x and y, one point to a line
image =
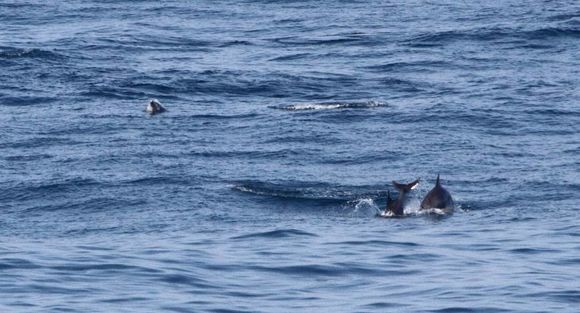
406	187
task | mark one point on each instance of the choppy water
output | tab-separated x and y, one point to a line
257	190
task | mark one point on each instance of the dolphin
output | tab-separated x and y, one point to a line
438	198
154	107
396	207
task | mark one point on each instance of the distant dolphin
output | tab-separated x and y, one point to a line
438	198
397	207
154	107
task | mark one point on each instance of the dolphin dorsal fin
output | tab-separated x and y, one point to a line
437	183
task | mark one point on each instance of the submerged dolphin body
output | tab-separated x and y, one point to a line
154	107
438	198
397	207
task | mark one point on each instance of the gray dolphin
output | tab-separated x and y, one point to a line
396	208
154	107
438	198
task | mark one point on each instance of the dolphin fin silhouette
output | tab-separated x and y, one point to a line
406	187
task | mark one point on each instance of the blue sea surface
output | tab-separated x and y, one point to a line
258	189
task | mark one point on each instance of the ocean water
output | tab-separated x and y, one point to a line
287	121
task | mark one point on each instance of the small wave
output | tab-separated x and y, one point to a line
551	32
304	191
25	100
27	158
439	38
225	117
161	181
470	310
290	57
104	267
277	234
326	41
330	106
189	280
26	191
18	53
533	251
15	264
373	242
419	65
235	43
304	270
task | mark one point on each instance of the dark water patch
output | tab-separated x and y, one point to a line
187	280
564	17
27	158
553	112
564	262
32	190
16	264
533	251
114	93
440	38
268	155
324	41
384	305
324	138
375	243
252	83
156	88
226	117
335	270
90	230
94	248
103	268
406	66
470	310
231	311
277	234
232	43
290	57
56	289
423	257
551	33
562	296
313	270
386	156
401	85
125	300
18	101
134	43
162	181
491	123
86	205
34	53
522	219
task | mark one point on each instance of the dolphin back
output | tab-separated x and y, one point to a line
438	198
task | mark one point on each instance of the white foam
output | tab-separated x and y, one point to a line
332	105
365	207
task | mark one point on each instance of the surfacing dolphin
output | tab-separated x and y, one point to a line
396	208
154	107
438	198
